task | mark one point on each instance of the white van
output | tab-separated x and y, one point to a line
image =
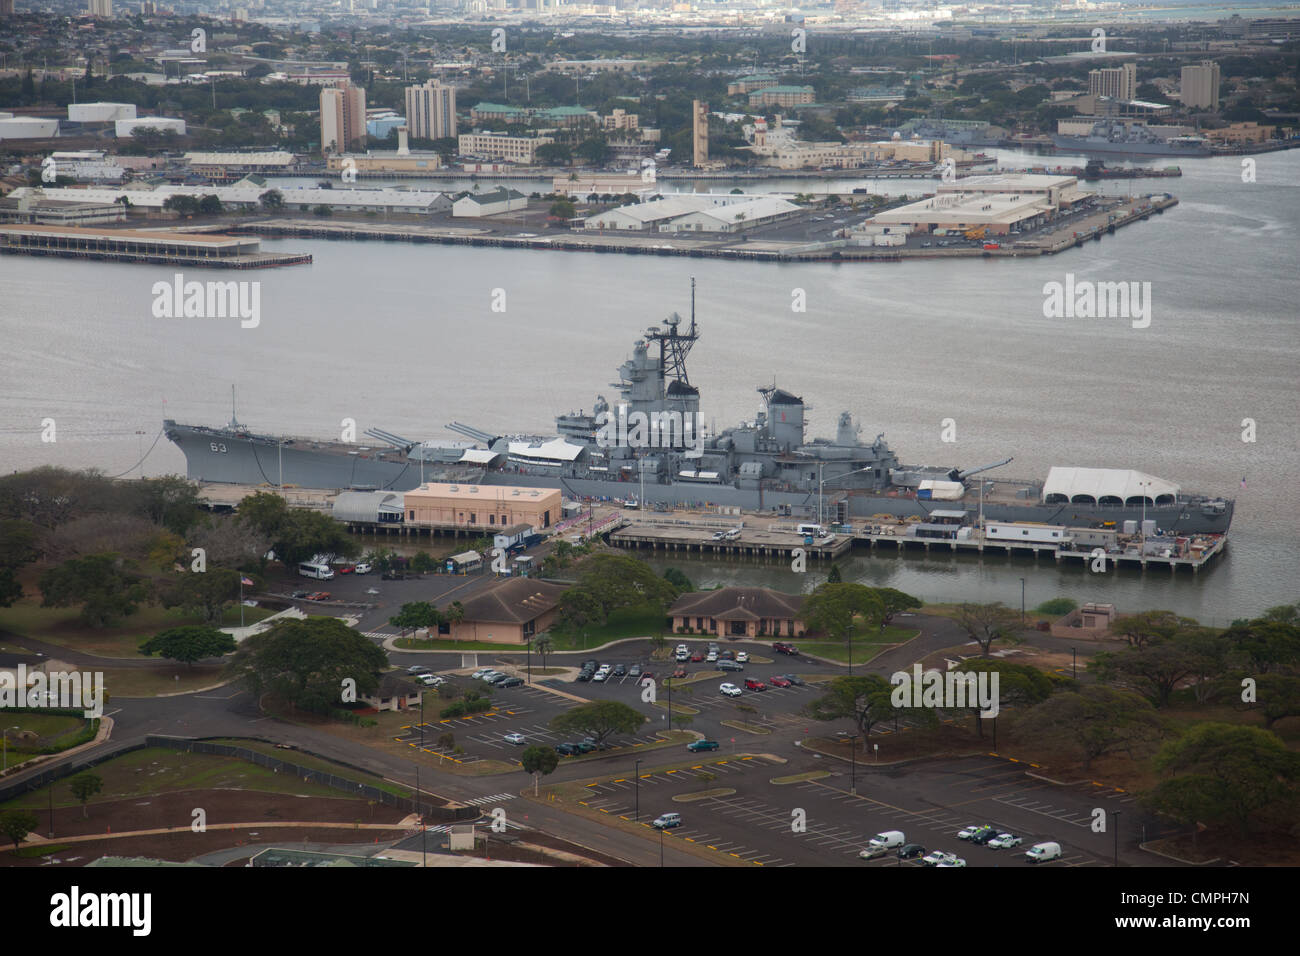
887	840
310	569
1042	852
666	821
813	529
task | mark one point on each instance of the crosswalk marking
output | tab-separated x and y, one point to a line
494	798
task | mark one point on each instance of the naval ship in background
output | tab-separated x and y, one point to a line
765	464
1133	139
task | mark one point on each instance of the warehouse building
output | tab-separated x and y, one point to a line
1000	204
481	506
734	217
476	205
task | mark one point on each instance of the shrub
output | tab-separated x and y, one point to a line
1057	607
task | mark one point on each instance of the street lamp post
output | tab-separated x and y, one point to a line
636	817
1022	601
853	763
1074	663
1116	816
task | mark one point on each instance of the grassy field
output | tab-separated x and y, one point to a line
316	763
622	624
865	646
62	626
158	770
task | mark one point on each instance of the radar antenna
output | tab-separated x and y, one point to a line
674	344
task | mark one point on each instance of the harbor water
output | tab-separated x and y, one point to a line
408	338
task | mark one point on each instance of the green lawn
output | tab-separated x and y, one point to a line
159	770
622	624
62	626
316	763
865	646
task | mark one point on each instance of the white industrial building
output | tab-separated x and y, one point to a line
734	217
127	127
247	194
100	112
1000	204
28	127
653	214
475	205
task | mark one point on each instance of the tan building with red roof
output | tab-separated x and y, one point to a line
510	612
738	612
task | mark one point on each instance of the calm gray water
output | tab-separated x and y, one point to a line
405	338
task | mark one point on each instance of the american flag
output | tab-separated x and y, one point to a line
1243	481
246	582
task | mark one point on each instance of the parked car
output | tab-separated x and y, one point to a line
753	683
795	679
779	681
585	675
742	657
730	666
510	682
634	670
872	852
514	739
602	674
782	648
585	746
681	657
478	674
590	665
363	568
731	690
727	655
428	680
984	836
496	679
967	832
955	861
646	678
937	857
318	596
679	672
299	595
910	850
1004	841
697	656
434	680
666	821
347	569
620	670
711	656
417	669
681	649
1042	852
566	750
888	839
695	746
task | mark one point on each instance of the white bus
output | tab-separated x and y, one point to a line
310	569
815	530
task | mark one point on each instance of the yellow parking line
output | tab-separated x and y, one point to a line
736	855
621	780
688	839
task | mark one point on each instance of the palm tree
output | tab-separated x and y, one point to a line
543	645
454	614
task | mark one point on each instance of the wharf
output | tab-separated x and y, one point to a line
900	540
669	534
155	247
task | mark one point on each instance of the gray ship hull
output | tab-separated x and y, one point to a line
222	456
1083	144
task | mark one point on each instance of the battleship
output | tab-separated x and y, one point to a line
1131	138
767	464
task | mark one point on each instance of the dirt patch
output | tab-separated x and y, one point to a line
1263	849
221	806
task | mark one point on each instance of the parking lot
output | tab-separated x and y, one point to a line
929	802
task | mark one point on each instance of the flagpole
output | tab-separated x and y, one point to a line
241	599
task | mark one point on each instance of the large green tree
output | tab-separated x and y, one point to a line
296	534
1226	774
598	720
415	615
205	594
1018	684
16	824
1156	669
835	609
189	643
1092	722
305	663
864	699
609	582
83	787
102	584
